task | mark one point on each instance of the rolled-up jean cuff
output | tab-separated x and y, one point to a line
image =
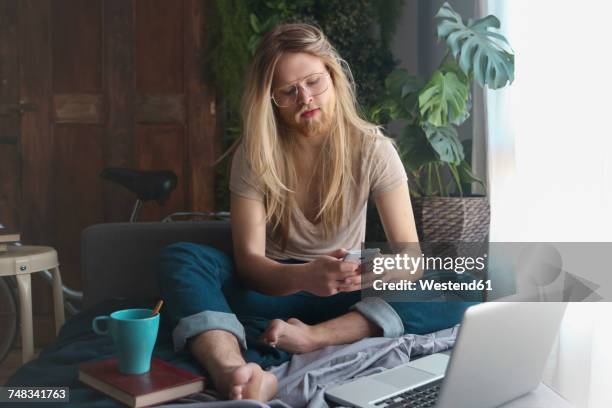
207	320
381	313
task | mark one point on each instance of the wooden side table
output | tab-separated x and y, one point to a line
21	261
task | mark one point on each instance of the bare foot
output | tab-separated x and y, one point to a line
293	336
248	381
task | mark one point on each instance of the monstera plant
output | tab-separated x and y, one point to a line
433	108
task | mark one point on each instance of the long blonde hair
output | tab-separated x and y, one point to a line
269	151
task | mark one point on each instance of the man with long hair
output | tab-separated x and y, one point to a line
301	178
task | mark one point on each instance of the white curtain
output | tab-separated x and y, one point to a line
549	163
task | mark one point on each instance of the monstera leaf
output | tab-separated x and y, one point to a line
416	151
400	83
451	65
390	107
445	142
402	92
481	52
444	99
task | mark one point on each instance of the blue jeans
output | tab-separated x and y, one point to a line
201	292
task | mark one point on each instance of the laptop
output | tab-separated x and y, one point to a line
501	351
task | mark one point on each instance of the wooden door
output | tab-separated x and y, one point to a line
90	84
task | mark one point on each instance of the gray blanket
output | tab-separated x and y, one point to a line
304	379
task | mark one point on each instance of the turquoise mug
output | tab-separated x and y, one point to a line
134	332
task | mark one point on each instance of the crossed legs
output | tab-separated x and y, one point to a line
198	281
218	351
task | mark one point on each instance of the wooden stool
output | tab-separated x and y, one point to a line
21	261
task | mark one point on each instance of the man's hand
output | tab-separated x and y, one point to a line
328	275
366	277
362	280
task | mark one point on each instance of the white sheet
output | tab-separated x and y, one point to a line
304	379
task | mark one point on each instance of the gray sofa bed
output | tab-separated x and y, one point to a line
118	259
118	266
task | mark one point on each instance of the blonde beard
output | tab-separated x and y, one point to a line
316	127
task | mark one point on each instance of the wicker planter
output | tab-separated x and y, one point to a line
452	219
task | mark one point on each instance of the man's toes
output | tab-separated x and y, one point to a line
242	379
273	332
295	322
250	381
269	383
253	390
243	374
236	392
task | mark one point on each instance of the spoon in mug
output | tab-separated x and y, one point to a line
157	307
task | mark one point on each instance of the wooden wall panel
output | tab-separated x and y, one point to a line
10	171
77	46
204	146
118	17
159	54
78	143
164	108
161	147
77	108
9	73
10	186
36	138
106	83
78	160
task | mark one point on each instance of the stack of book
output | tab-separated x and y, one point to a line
6	238
163	383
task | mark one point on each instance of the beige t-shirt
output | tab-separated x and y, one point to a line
381	171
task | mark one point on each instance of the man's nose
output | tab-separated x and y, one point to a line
304	96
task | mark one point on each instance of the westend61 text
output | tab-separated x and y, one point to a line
433	285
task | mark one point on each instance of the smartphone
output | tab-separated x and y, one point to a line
361	256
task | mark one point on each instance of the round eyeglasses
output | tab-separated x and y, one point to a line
314	84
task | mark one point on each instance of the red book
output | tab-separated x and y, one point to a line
163	383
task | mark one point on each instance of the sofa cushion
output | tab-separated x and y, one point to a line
117	258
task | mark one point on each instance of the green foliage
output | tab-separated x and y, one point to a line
388	13
415	149
401	100
267	14
481	52
361	31
443	100
229	55
445	142
227	64
429	144
349	27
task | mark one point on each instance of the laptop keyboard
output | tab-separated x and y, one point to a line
421	397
